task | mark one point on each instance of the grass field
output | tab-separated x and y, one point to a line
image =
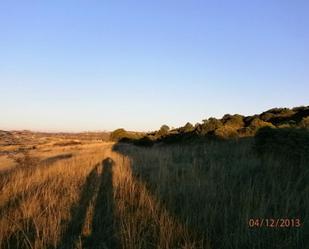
106	195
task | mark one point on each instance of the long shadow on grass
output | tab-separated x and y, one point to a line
103	225
228	196
98	187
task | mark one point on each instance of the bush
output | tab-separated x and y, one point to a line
163	131
257	123
125	136
236	121
266	116
280	111
187	128
286	144
304	123
226	132
118	134
209	126
280	115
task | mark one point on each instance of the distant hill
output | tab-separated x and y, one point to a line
28	137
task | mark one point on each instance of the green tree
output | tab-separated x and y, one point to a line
163	130
234	121
187	128
209	125
118	134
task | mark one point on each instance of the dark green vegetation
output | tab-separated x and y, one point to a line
122	134
229	126
287	144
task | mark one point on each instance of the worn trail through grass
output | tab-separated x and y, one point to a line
89	200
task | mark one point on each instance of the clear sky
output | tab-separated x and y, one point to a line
99	65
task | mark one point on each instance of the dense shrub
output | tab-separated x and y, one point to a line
118	134
226	132
125	136
229	126
236	121
266	116
304	123
287	124
281	116
257	123
280	111
286	144
163	131
187	128
209	126
253	125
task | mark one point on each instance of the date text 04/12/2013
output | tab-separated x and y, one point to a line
274	223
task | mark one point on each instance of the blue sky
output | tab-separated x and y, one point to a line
100	65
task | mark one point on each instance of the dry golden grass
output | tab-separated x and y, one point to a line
36	199
6	163
105	195
88	200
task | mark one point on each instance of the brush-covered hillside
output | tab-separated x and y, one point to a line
229	126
